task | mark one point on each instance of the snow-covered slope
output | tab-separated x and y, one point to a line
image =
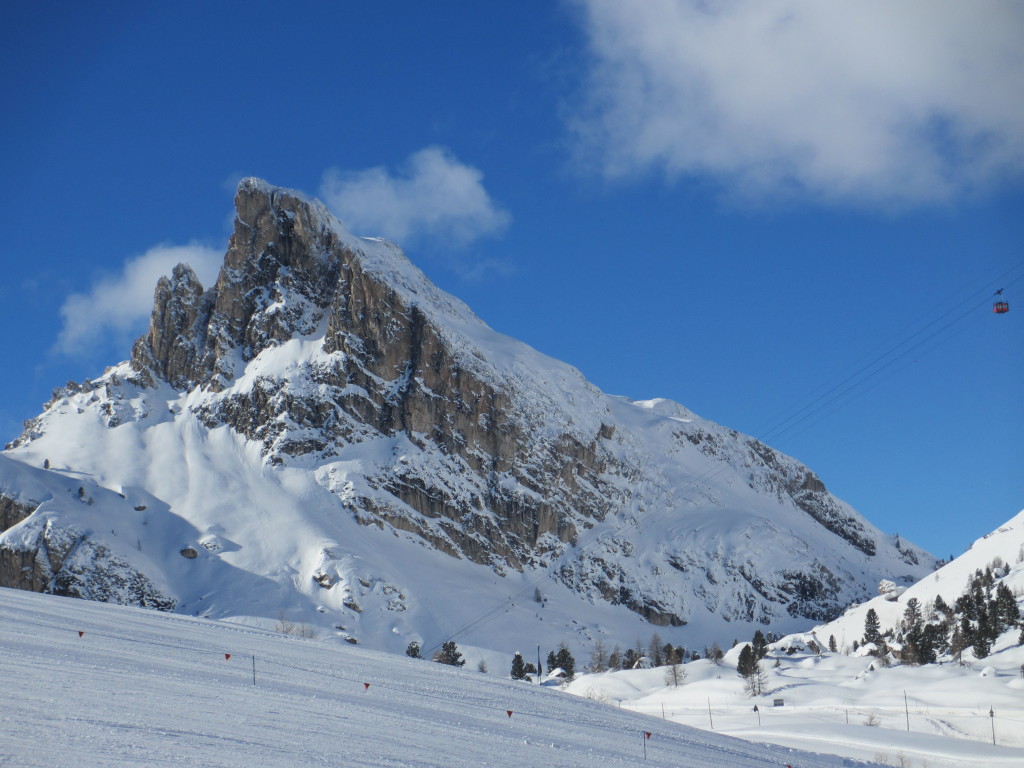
876	701
139	688
1001	551
325	436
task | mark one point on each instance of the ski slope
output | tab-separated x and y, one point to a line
142	688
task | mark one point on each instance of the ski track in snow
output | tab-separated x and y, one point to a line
142	688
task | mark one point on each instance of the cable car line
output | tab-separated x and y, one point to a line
863	377
864	373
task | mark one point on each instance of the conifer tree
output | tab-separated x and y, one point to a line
671	654
746	662
912	615
913	633
1006	607
871	627
749	668
615	658
982	646
518	667
449	654
565	660
760	645
629	659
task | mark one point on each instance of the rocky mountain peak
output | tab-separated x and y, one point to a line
327	371
277	281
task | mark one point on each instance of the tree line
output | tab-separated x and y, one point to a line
982	612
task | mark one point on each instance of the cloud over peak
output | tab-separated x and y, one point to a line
907	102
433	196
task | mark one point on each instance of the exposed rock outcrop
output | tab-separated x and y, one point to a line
386	369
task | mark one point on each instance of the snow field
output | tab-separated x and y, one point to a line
141	688
835	703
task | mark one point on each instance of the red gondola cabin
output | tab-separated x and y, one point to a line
1000	307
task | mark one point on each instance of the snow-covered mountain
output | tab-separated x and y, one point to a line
325	437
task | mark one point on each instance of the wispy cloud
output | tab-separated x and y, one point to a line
432	197
872	102
117	307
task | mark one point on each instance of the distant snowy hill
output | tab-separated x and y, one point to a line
1000	552
323	437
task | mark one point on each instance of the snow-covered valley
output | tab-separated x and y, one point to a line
863	700
845	705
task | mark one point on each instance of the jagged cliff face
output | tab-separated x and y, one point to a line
385	369
329	362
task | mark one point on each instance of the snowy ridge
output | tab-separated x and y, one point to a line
325	435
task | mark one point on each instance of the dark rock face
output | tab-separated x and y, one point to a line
63	561
13	512
281	255
18	569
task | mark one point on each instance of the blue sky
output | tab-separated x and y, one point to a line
736	205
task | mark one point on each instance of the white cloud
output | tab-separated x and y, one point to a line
873	101
434	197
117	307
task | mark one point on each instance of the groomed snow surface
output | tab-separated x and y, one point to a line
141	688
839	704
